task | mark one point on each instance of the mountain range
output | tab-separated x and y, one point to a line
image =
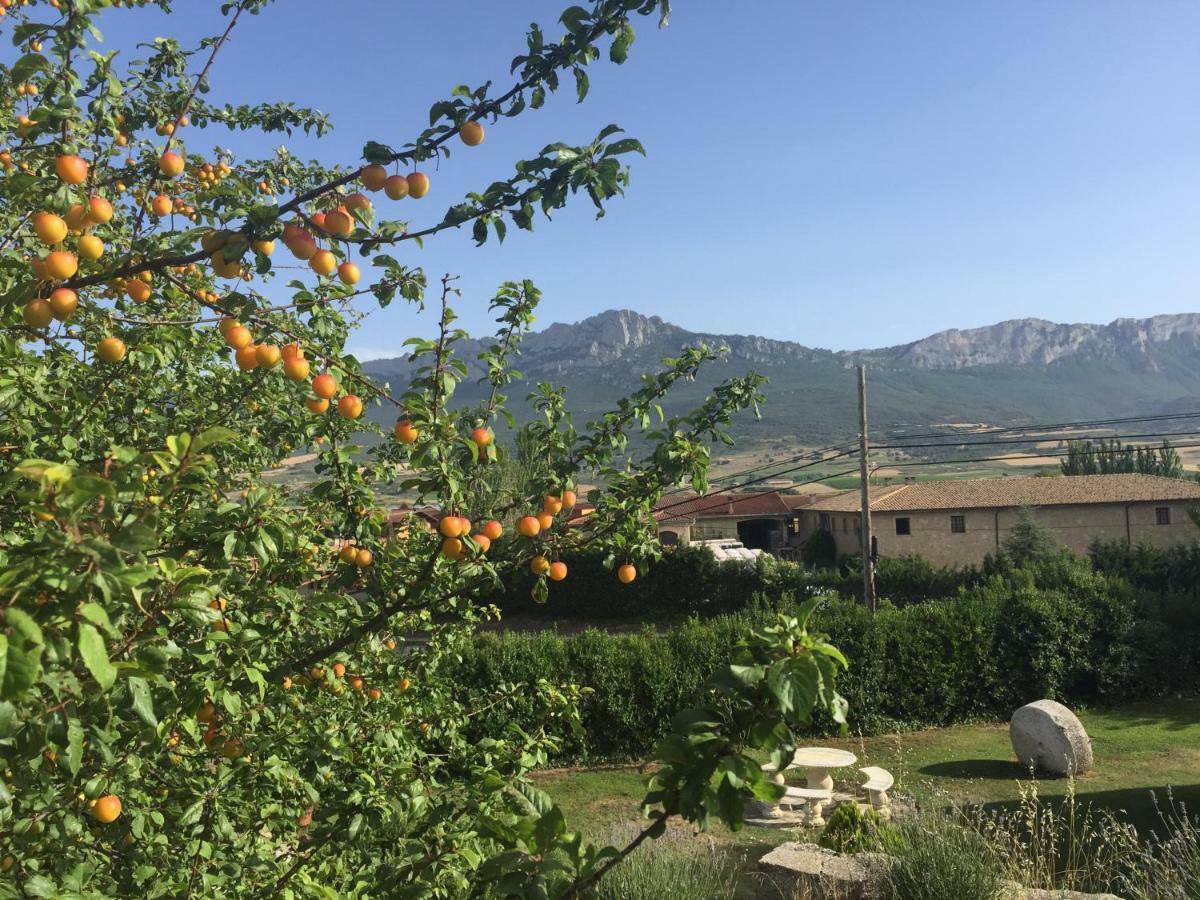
1019	371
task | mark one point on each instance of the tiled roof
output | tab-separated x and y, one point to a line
979	493
674	507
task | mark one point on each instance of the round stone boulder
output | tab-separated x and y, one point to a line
1050	739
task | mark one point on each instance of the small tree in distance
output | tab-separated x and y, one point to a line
1028	539
202	689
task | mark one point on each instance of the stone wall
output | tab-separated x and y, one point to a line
1074	527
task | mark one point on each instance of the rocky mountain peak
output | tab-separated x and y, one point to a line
1021	342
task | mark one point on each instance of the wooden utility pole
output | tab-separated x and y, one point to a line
868	564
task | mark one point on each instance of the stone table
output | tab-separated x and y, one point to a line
819	761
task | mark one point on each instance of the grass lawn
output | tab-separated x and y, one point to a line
1138	750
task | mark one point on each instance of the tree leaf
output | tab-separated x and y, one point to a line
142	700
95	656
74	745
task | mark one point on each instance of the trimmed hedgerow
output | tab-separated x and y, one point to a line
1057	629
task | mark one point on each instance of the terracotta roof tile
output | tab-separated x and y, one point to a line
979	493
681	507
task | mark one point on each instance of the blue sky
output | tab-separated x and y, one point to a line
841	174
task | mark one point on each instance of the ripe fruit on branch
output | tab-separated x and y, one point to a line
266	248
493	530
162	205
364	558
231	269
453	526
356	682
557	571
63	302
626	573
358	201
552	505
292	351
546	520
111	350
60	265
482	437
471	133
324	386
323	262
91	247
71	169
99	211
405	432
246	357
339	670
77	218
138	290
374	693
37	313
339	222
107	808
483	542
295	369
373	177
568	499
170	164
539	565
452	548
50	229
238	337
528	526
317	404
418	185
212	241
348	273
268	355
396	187
349	407
348	553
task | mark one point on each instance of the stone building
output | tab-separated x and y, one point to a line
763	520
958	523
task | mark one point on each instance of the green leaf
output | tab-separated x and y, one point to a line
574	18
95	656
74	745
142	701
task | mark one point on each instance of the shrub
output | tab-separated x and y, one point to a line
677	865
1054	629
819	550
849	829
937	857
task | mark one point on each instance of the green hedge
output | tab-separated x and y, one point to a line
1060	630
689	581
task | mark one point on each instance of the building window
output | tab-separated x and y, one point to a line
1162	515
823	521
958	524
903	526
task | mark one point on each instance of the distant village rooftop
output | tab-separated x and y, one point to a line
759	504
987	493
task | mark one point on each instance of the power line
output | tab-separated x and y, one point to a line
816	455
1033	440
845	449
1087	423
1006	456
1044	427
722	503
895	465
